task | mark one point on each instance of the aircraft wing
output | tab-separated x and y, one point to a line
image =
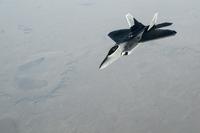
156	34
119	36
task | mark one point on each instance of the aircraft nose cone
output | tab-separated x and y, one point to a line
103	65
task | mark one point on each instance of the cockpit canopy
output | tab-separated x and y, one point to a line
113	49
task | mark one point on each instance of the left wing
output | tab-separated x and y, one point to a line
156	34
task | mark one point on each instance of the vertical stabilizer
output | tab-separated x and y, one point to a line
153	21
129	19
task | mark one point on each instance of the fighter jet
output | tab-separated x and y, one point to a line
127	39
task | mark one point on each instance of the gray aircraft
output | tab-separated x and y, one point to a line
127	39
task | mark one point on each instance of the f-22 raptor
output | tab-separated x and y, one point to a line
127	39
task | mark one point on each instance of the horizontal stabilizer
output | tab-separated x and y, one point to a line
163	24
137	23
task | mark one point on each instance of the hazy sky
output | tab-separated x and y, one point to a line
49	77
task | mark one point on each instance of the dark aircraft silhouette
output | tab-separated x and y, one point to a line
127	39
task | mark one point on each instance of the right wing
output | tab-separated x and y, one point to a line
119	36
